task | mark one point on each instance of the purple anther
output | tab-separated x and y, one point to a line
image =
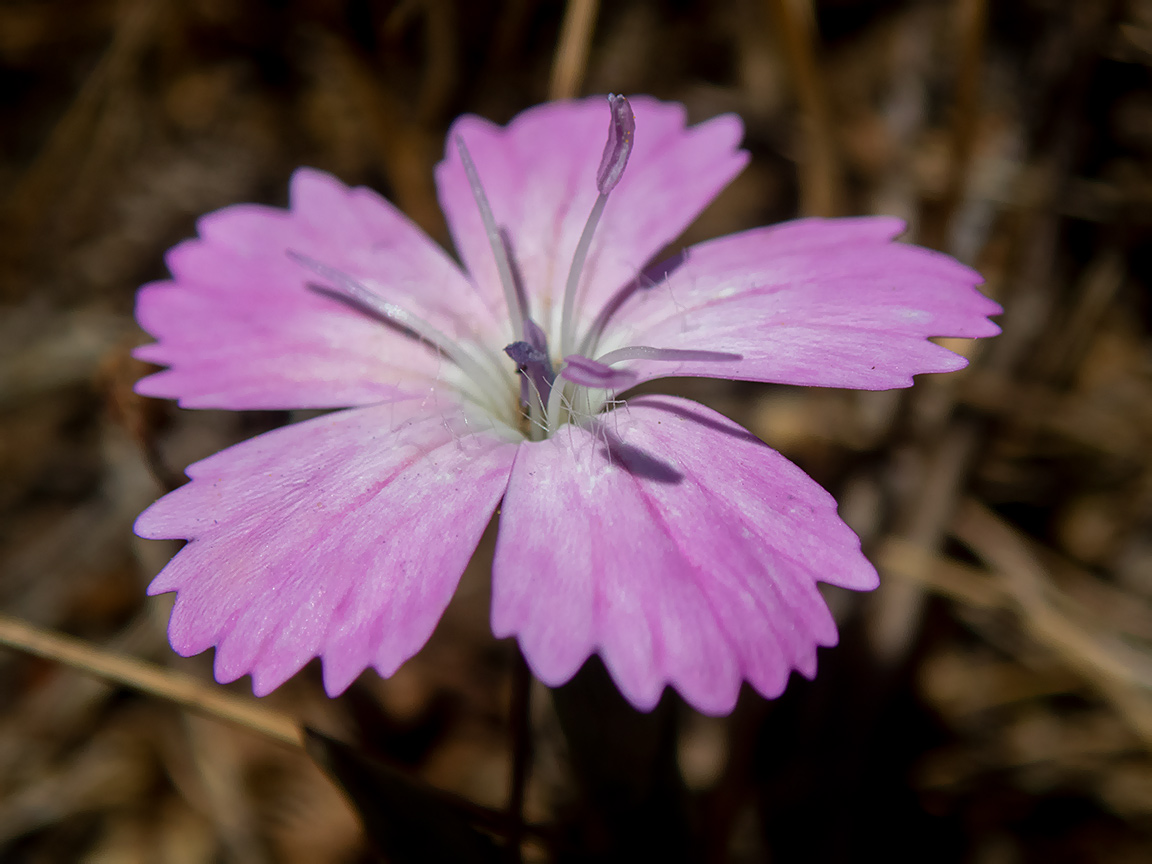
524	354
534	335
621	133
592	373
534	367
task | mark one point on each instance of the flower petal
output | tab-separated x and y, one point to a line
342	537
817	302
241	328
675	544
539	173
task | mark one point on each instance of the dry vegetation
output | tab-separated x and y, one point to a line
992	702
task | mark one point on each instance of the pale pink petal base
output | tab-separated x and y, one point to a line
676	545
342	537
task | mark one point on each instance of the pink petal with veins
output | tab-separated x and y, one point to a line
825	303
341	537
240	327
677	546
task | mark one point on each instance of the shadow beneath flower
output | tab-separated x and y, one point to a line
643	464
640	464
654	274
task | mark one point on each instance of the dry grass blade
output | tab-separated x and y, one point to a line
184	690
1123	674
960	582
571	58
971	22
821	183
899	608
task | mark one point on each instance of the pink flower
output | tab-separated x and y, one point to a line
653	532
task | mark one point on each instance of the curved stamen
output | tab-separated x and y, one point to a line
669	355
593	373
541	378
348	288
598	374
552	413
621	134
535	370
496	241
567	327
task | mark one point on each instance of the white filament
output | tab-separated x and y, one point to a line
567	322
667	355
511	296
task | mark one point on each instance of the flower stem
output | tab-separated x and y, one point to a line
625	762
520	730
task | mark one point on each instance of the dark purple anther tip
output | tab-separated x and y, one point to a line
525	354
533	365
621	133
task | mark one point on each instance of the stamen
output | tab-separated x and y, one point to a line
350	289
532	360
621	129
669	355
535	336
495	240
536	369
536	377
523	354
552	411
593	373
517	281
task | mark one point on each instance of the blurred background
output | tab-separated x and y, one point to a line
991	702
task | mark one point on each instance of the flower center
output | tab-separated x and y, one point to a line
544	403
550	394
